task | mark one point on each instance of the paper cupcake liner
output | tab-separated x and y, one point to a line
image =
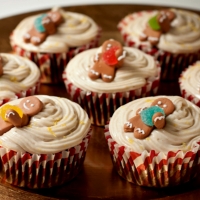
153	169
171	64
24	93
42	170
186	93
52	65
101	106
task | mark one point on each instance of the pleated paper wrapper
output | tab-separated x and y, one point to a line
24	93
171	64
42	170
153	169
52	65
101	106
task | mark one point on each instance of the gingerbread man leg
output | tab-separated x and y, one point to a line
142	131
94	72
4	126
34	36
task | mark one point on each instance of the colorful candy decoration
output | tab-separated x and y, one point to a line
44	25
19	115
147	119
106	62
157	25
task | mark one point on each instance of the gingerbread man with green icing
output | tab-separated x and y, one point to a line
44	25
19	115
147	119
157	25
106	62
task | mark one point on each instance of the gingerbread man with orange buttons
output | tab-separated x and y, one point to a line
157	25
147	119
106	62
44	25
19	116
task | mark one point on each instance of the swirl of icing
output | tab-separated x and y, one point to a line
190	80
183	36
136	69
18	74
60	125
76	30
181	132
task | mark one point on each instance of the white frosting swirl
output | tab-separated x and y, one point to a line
76	30
183	37
190	80
181	132
137	67
60	125
19	74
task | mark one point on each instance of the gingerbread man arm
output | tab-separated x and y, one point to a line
158	120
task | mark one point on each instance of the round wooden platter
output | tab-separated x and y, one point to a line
98	179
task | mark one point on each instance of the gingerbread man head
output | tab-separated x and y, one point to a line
110	58
147	119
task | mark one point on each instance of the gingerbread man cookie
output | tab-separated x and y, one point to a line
157	25
147	119
44	25
1	66
110	58
18	116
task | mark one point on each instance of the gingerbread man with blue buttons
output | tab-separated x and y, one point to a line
147	119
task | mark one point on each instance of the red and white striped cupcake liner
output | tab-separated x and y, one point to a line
24	93
52	65
171	64
186	93
153	169
42	170
101	106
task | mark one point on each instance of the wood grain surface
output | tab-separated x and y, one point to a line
98	179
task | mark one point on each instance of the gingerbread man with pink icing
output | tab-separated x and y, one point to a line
147	119
19	115
107	61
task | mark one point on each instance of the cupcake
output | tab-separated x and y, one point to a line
19	77
43	141
154	141
189	83
171	36
52	39
104	78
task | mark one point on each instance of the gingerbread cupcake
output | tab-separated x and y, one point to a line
190	83
104	78
155	141
170	35
19	77
51	39
43	141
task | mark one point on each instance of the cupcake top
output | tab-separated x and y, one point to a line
58	125
180	132
18	74
190	79
74	30
183	35
133	73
